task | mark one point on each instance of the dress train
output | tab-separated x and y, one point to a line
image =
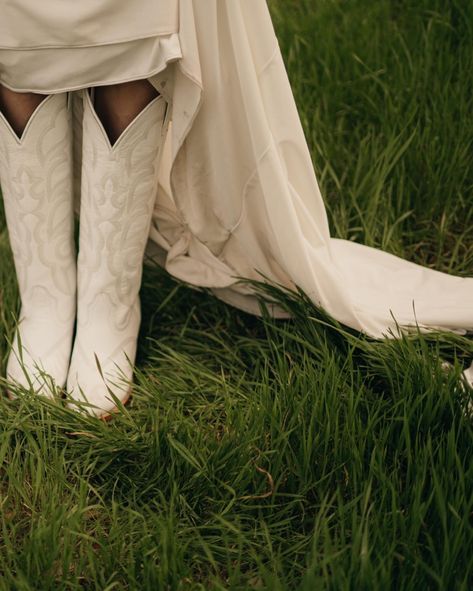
237	193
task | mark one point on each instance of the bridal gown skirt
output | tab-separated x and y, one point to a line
53	46
237	194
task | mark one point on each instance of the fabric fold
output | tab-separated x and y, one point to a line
238	196
113	63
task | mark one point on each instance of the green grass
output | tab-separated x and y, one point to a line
264	454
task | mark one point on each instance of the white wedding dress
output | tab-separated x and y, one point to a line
237	193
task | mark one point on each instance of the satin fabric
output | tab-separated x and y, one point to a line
74	68
55	45
26	24
237	193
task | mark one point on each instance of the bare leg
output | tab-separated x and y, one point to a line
18	107
117	105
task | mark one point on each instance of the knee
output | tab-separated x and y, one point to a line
127	96
17	107
20	100
118	104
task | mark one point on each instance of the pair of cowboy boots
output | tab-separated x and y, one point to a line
97	291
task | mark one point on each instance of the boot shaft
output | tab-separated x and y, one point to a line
36	181
119	185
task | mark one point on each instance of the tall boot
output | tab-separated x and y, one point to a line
119	184
36	179
468	376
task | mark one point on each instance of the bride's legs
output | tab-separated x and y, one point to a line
17	107
117	105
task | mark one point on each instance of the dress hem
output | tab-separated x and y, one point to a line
121	63
156	33
147	75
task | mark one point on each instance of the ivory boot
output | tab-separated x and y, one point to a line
468	376
119	184
36	179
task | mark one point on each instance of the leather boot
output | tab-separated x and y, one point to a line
468	376
119	184
36	179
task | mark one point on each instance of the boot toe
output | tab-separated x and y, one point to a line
467	376
89	386
41	385
43	363
94	396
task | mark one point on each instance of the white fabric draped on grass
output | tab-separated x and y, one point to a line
238	193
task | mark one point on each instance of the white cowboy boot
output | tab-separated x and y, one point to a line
467	375
36	179
119	185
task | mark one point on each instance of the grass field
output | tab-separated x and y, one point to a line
264	454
